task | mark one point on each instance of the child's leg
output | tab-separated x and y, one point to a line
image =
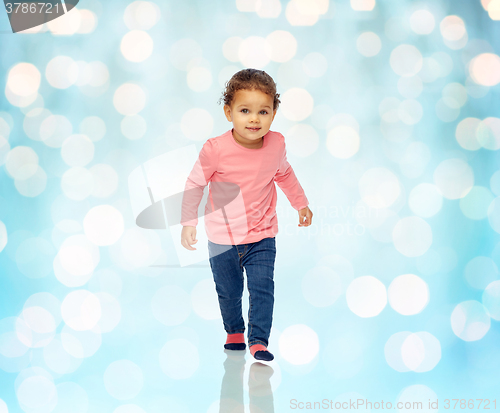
228	276
259	265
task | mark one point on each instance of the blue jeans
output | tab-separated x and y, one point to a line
227	263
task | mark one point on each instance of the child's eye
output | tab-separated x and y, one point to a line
244	110
264	112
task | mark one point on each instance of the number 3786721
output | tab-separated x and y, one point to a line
31	7
486	404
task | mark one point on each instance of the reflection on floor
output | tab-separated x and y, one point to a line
259	386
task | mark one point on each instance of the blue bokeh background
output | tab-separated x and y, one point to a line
390	110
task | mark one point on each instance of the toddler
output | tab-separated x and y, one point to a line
240	215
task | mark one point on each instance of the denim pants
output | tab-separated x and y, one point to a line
227	263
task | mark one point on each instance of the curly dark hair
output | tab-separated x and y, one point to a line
250	79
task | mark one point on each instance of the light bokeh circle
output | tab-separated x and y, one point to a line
480	272
425	200
454	178
408	294
77	150
81	310
141	15
494	214
133	127
366	296
54	130
77	183
71	397
34	185
488	133
39	319
406	351
299	344
296	104
93	127
415	395
410	111
466	133
297	12
495	183
136	248
379	187
452	28
105	180
21	162
61	72
136	46
80	344
37	393
24	79
470	320
412	236
255	51
283	45
422	22
129	99
78	256
475	204
392	351
103	225
230	48
368	44
485	69
491	299
343	142
406	60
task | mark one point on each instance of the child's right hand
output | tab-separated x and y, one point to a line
188	237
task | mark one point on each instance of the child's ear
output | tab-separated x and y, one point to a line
274	113
227	112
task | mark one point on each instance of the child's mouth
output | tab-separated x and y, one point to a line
253	129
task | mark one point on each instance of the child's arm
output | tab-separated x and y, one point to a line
289	184
197	180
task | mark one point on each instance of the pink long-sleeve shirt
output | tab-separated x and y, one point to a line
241	204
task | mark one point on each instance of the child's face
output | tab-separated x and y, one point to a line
252	114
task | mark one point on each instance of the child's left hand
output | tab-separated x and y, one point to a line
305	217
